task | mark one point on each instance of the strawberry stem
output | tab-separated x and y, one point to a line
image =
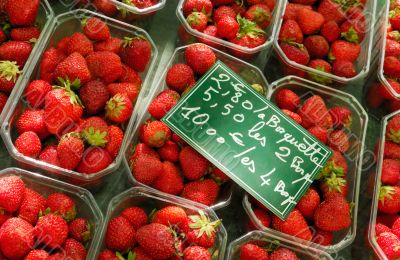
9	70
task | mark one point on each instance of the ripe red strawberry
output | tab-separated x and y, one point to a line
107	254
322	237
325	220
105	65
111	44
32	120
309	21
353	31
221	2
334	185
9	73
119	108
51	230
28	34
287	99
120	235
200	58
169	152
179	76
260	14
293	116
115	138
283	253
197	5
126	88
70	151
37	254
142	148
140	254
73	67
197	20
156	240
170	216
385	92
250	251
146	169
344	51
294	225
219	176
393	129
94	130
94	159
314	112
227	27
28	144
92	89
331	11
222	11
389	199
297	53
339	140
62	205
78	42
203	191
155	133
344	68
381	228
391	150
95	29
16	238
12	191
129	75
336	164
80	229
341	117
320	133
22	13
32	205
308	203
63	44
394	19
50	60
291	10
290	32
74	249
262	216
193	164
49	155
320	65
317	46
170	181
3	101
166	100
196	253
389	243
35	93
200	230
136	53
330	30
106	7
17	51
136	216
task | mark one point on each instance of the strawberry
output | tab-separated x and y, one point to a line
4	216
389	199
170	216
309	21
126	88
331	11
17	51
385	92
136	216
344	51
32	205
120	235
63	44
317	46
393	129
177	139
193	164
394	18
156	240
336	164
395	227
339	140
95	131
95	29
179	76
32	120
164	102
290	32
269	3
63	205
308	203
79	43
140	254
51	230
51	58
291	10
222	2
106	6
3	101
320	133
314	113
262	216
294	225
196	253
325	220
94	159
74	249
200	230
9	73
119	108
391	150
105	65
250	30
28	144
169	151
330	30
155	134
344	68
293	116
353	31
12	192
35	93
283	253
70	151
251	251
240	8
107	254
170	181
130	76
297	53
227	27
219	176
112	44
115	138
142	148
222	11
28	34
16	238
202	191
146	169
389	243
322	237
73	67
80	229
37	255
92	89
22	13
136	53
381	228
197	20
204	6
341	117
287	99
49	155
260	14
334	185
200	58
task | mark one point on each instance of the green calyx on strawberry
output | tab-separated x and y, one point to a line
394	12
131	256
9	70
329	169
386	192
68	86
202	222
128	40
116	106
346	4
395	35
95	137
351	35
124	11
248	28
335	183
320	78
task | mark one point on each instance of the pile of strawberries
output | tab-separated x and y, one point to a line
257	251
239	22
162	159
324	208
110	9
323	35
168	233
84	98
34	227
18	34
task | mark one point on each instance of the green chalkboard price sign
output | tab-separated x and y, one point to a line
249	138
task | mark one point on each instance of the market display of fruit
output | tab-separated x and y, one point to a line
146	223
41	218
